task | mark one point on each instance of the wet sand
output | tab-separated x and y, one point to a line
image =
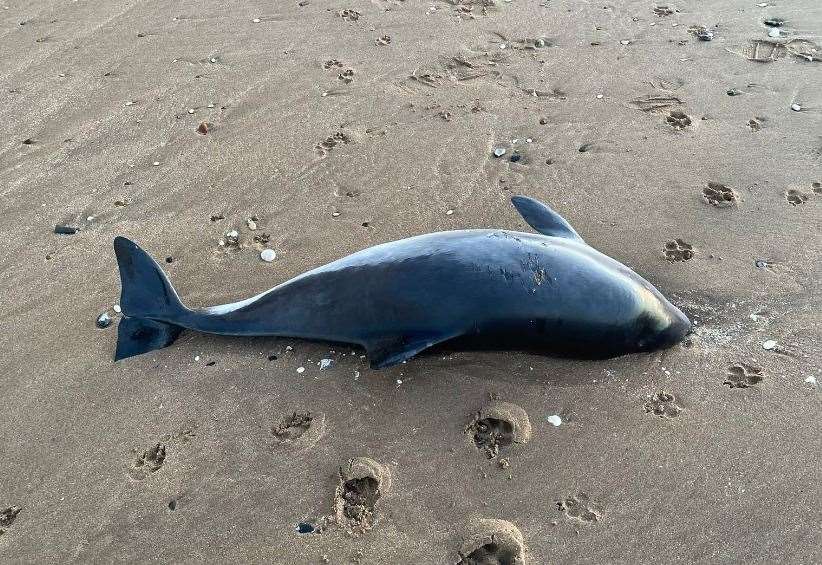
336	126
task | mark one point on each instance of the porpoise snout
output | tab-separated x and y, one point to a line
679	327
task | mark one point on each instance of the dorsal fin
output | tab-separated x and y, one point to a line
543	219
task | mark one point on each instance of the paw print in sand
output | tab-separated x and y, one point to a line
796	197
327	144
299	431
349	15
741	375
149	462
677	250
7	517
717	194
678	119
579	508
347	76
663	404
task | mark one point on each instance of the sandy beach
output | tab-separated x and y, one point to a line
684	140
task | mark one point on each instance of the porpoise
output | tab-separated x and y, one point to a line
482	288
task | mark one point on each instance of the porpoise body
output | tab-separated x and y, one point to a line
548	292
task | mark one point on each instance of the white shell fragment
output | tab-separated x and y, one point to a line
555	420
300	369
769	344
325	364
268	255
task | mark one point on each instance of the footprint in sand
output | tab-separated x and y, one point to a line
492	542
579	508
498	426
796	197
663	404
717	194
741	375
7	517
362	483
678	119
817	187
677	250
150	461
299	431
332	63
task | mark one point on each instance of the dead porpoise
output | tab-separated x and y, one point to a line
485	288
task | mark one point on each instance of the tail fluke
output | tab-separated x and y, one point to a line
149	302
141	335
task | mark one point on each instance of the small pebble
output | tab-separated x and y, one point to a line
449	212
555	420
625	41
774	32
300	369
796	107
515	157
599	96
529	140
117	308
539	43
760	264
156	163
252	225
502	46
196	357
811	381
705	35
203	128
191	110
103	320
256	20
65	230
268	255
129	103
769	345
774	22
499	152
325	364
733	92
213	60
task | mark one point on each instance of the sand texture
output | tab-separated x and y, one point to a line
317	128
